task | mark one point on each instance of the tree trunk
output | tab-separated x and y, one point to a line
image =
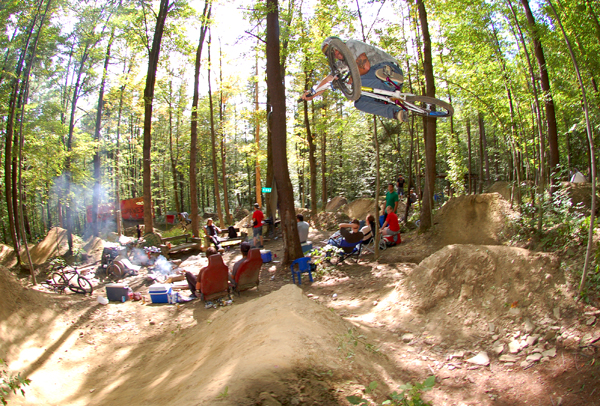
547	93
257	137
291	240
222	126
481	147
148	99
311	161
429	124
97	173
470	155
213	143
194	124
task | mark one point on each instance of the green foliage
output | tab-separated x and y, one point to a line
564	224
410	395
348	342
10	383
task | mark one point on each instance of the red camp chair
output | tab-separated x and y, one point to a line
214	280
247	274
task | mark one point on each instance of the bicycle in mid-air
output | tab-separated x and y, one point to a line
63	277
346	76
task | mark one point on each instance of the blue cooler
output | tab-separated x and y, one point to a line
307	246
266	255
159	293
115	292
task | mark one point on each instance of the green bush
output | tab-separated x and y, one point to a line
10	383
410	395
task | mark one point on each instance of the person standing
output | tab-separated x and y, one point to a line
412	198
391	198
303	227
257	225
400	185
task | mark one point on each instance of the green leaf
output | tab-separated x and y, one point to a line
429	382
356	400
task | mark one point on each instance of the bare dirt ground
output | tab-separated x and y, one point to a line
496	325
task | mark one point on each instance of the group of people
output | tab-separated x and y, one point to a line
212	231
194	281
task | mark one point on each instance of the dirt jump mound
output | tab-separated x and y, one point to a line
473	219
359	208
14	296
490	279
275	344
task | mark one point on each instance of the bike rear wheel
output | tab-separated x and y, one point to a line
428	106
346	70
58	281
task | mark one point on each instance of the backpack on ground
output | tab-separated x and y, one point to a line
391	240
231	232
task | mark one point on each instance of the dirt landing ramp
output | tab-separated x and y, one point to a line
274	344
474	219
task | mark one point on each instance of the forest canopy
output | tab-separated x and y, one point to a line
74	75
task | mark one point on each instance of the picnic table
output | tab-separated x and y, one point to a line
224	239
178	243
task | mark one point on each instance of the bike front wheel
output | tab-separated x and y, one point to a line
343	65
428	106
85	284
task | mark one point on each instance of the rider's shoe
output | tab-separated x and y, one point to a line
387	72
402	116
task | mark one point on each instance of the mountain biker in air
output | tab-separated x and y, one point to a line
375	67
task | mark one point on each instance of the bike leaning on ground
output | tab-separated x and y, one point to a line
63	277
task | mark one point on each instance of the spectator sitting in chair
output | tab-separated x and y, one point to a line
391	226
212	232
336	238
369	229
194	281
303	227
244	249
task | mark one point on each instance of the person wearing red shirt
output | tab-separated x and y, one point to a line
391	226
257	224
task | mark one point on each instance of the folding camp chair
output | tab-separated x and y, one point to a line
350	245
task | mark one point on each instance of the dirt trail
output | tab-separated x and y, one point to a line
497	325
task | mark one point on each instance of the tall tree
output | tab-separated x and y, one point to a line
429	124
276	89
194	124
148	99
545	84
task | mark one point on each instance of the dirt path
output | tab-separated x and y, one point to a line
357	323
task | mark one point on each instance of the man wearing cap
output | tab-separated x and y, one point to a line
377	68
257	224
244	248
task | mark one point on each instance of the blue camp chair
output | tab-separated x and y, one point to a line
303	265
350	245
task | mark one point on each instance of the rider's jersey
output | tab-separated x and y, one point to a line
375	55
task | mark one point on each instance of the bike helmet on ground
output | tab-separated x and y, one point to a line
326	42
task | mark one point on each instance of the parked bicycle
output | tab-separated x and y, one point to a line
346	78
63	277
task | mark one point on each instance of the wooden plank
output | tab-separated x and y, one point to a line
177	237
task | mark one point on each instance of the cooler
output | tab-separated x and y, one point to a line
307	246
159	293
116	291
266	256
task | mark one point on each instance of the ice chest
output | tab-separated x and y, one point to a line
116	291
266	255
159	293
307	246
